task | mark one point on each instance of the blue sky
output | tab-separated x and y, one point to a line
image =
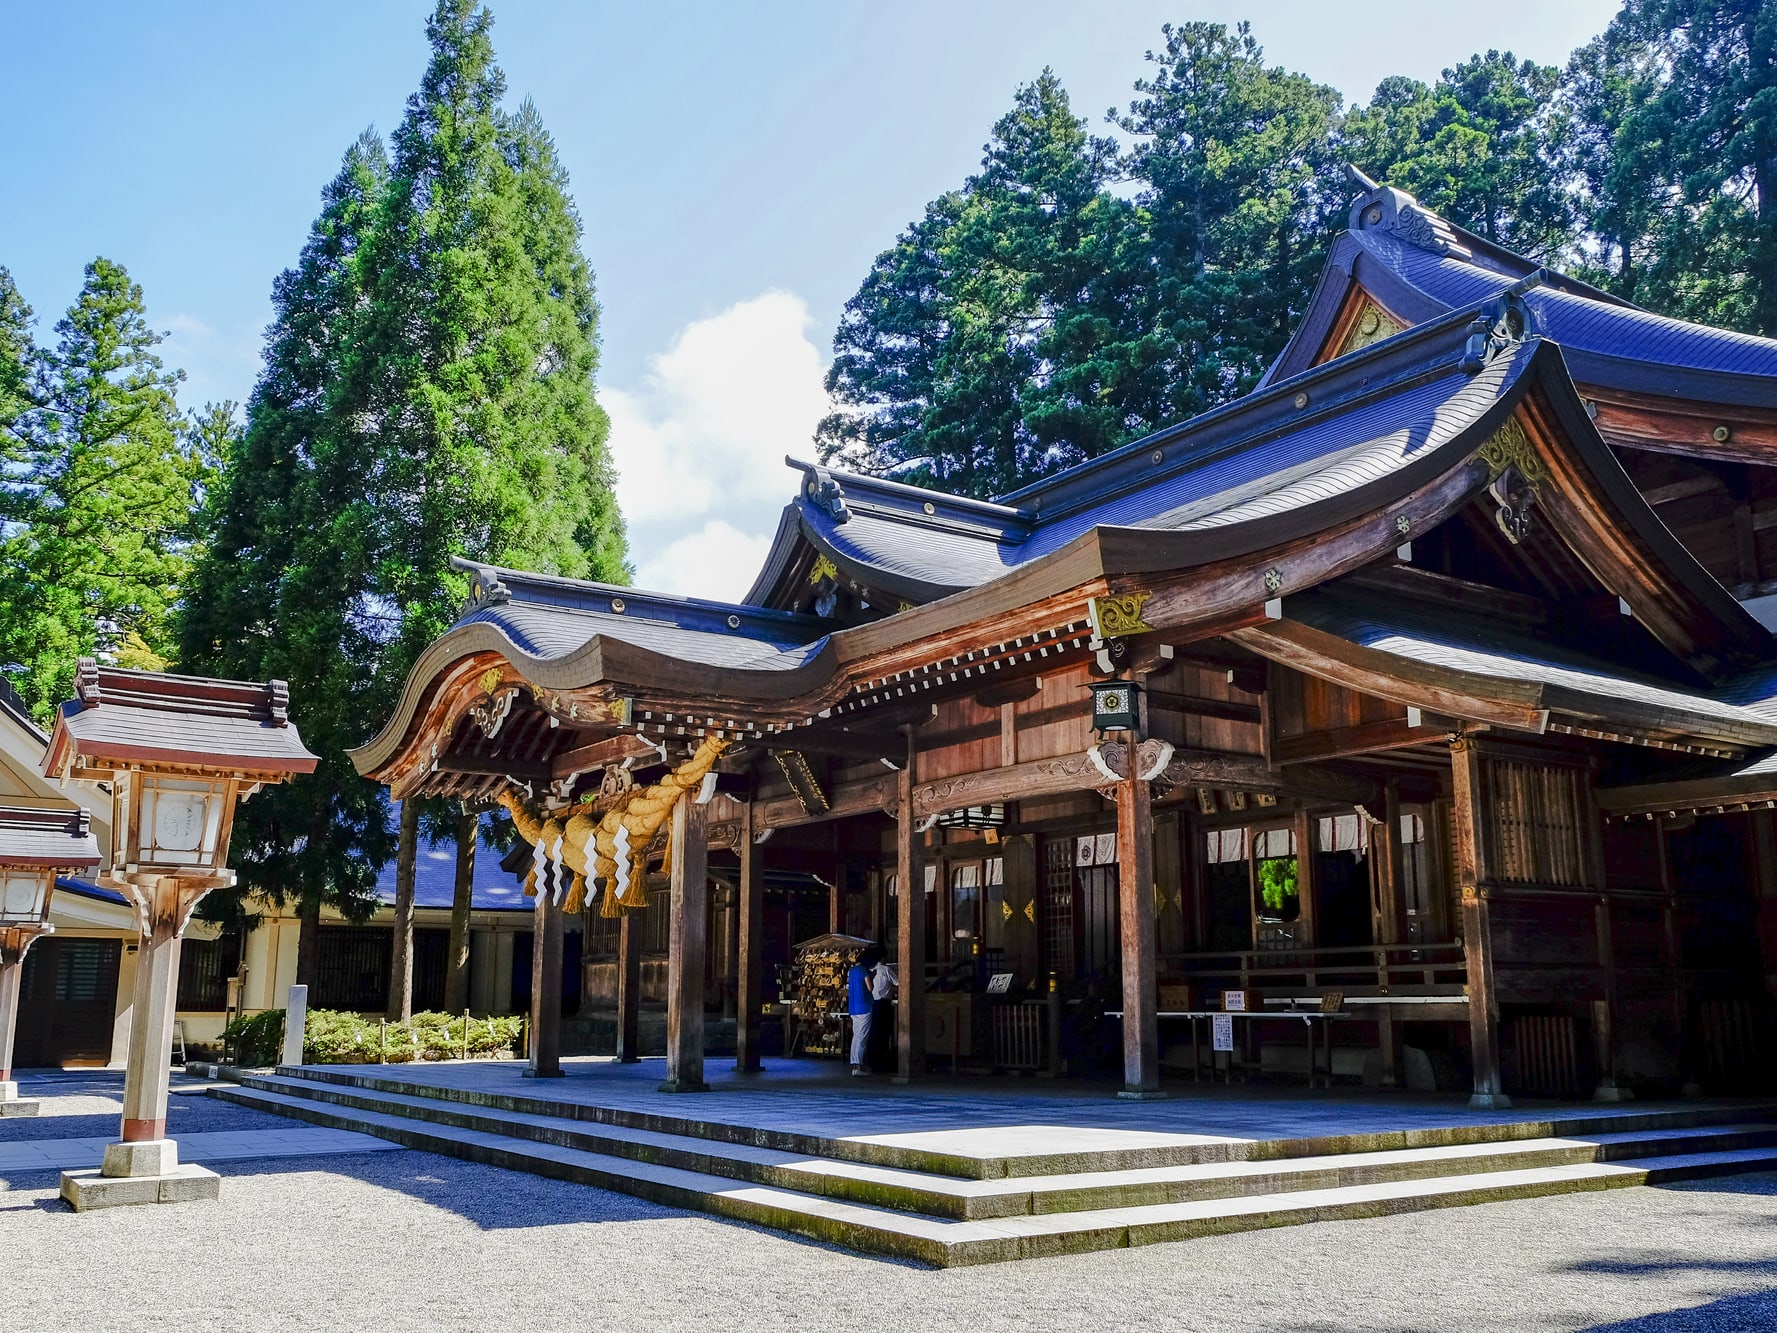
736	166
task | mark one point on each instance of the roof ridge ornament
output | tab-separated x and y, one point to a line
1384	208
86	682
823	488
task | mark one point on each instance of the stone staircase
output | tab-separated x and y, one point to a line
946	1209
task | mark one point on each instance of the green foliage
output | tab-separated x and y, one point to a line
337	1037
428	393
1277	882
1038	317
1067	298
256	1040
1002	337
1676	160
102	480
1241	182
333	1037
1483	147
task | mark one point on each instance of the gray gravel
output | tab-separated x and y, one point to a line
88	1103
405	1240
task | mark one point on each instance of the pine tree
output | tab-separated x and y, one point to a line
1240	182
428	393
1483	147
1001	338
286	589
1676	104
97	503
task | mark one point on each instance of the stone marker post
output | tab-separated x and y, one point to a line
296	1015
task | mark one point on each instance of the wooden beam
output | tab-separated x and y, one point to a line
1473	874
1193	706
1135	912
751	951
629	988
1364	738
910	931
611	751
519	770
546	928
687	946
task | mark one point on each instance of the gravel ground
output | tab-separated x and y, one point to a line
406	1240
397	1241
88	1103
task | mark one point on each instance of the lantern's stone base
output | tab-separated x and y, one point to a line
11	1104
86	1190
142	1172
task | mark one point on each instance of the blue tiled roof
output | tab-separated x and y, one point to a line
87	889
435	881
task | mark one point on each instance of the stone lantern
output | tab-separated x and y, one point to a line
35	846
177	753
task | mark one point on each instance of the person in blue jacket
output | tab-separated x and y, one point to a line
860	1004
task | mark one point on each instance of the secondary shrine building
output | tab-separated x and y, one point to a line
1437	696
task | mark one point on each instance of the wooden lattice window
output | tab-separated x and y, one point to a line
1536	826
1058	907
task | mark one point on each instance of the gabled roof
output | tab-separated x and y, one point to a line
149	716
1301	442
1432	653
1419	266
1344	448
51	839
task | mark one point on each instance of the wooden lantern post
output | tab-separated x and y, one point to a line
178	752
35	846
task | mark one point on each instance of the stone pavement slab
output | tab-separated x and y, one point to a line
217	1146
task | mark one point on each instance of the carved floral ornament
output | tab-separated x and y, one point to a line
1514	471
1115	616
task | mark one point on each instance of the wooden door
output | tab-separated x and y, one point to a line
68	1002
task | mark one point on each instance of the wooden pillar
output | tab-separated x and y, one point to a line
1307	878
148	1076
1604	1010
1674	957
750	951
1764	845
687	945
1385	860
910	931
13	944
1472	877
546	930
1135	900
629	988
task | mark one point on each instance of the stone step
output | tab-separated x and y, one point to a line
947	1242
1173	1150
948	1197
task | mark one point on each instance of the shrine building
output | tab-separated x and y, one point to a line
1429	685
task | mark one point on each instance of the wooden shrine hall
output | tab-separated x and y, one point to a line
1428	686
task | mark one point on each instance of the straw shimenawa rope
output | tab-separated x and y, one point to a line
609	849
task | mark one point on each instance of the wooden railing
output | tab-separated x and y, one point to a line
1394	969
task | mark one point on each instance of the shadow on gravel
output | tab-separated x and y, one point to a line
1756	1313
490	1197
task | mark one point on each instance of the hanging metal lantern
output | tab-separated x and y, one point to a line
1116	706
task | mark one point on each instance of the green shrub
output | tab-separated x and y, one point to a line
338	1037
256	1039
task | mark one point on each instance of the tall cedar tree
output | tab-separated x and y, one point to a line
428	393
1001	337
287	587
1240	181
1676	105
1483	147
478	355
101	483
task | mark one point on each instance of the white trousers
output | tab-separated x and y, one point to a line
860	1038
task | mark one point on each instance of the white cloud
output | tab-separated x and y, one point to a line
700	443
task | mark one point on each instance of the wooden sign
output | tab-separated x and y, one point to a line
1234	1001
